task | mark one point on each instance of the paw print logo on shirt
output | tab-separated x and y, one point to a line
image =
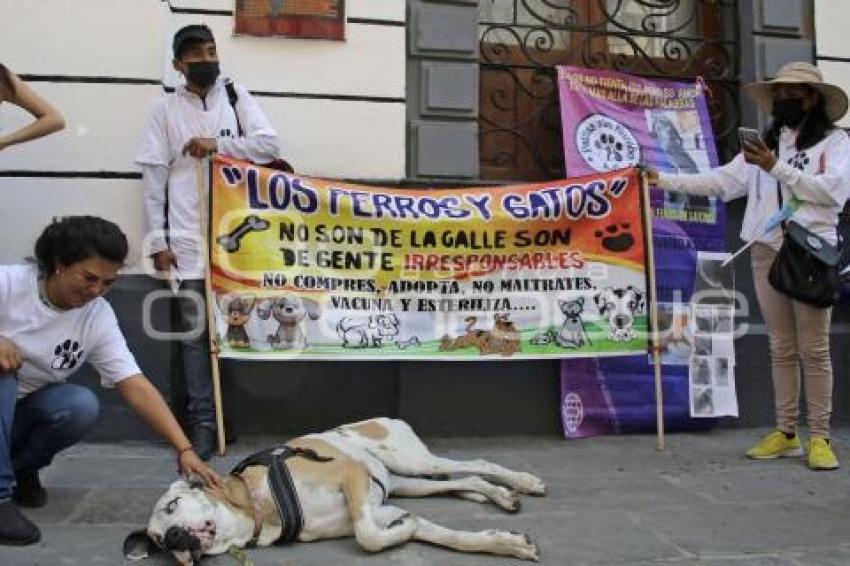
67	353
799	161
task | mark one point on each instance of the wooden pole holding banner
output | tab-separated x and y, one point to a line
208	296
216	375
653	315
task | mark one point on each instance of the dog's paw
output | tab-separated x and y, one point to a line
616	237
514	544
507	499
529	484
514	503
473	496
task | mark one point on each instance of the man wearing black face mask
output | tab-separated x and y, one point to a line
194	122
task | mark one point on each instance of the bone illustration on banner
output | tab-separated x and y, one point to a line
252	223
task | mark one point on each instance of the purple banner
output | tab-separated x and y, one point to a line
612	120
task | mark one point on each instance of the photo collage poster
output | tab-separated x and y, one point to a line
711	324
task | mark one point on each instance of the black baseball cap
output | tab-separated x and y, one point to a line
193	32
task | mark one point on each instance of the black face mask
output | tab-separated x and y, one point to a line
788	112
202	73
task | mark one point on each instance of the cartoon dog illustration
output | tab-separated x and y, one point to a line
237	312
289	311
619	306
503	338
544	337
571	333
412	342
373	332
506	337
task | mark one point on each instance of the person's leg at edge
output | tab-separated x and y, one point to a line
47	421
197	367
813	339
15	528
778	314
8	395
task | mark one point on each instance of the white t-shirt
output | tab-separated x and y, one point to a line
56	343
175	119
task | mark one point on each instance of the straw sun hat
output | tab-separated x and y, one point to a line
835	100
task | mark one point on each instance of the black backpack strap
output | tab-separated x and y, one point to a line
784	223
233	98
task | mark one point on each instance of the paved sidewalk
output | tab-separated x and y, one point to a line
611	501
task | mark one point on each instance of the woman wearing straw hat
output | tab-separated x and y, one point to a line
803	155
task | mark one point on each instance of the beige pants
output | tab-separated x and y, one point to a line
798	335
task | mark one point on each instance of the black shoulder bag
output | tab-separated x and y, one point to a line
806	267
233	98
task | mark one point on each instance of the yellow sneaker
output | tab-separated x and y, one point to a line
821	456
776	445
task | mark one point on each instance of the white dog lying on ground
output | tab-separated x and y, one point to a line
336	484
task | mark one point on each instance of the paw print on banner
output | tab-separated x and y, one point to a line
616	238
67	353
612	148
799	161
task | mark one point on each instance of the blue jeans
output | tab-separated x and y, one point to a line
197	367
39	426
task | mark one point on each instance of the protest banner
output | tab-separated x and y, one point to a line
318	269
611	120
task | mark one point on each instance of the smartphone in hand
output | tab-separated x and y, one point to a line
750	135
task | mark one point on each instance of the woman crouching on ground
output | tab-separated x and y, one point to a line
52	319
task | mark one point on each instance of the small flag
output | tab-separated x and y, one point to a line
782	214
773	222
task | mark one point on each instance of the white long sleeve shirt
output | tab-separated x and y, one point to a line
819	176
169	176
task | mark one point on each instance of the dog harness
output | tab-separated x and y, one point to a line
281	487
